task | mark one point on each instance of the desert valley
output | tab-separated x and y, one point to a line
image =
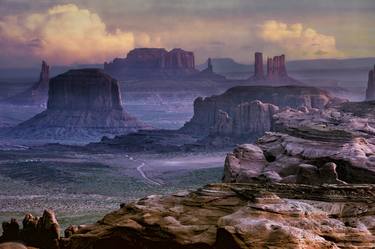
159	148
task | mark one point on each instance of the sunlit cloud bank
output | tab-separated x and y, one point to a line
65	34
299	41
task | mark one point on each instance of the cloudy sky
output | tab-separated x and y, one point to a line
94	31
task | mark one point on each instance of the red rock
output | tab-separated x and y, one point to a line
153	63
258	66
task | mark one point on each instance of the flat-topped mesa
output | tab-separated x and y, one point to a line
370	91
84	89
83	103
153	63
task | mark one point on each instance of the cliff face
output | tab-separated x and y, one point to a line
250	120
370	91
86	89
83	103
38	93
153	63
207	110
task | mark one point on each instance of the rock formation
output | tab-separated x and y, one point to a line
241	216
208	114
208	74
37	94
370	91
153	63
41	232
249	120
276	71
258	66
83	103
311	146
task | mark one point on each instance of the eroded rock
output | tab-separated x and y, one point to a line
226	216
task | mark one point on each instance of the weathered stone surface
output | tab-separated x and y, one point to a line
13	245
250	120
370	91
37	94
313	146
153	63
82	103
207	110
226	216
41	232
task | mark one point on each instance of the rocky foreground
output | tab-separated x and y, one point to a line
237	216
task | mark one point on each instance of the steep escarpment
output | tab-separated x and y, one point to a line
208	112
83	103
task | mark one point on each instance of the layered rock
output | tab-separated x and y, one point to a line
38	93
83	103
222	216
311	146
249	120
153	63
208	112
370	91
276	71
258	66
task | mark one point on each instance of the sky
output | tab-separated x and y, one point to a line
64	32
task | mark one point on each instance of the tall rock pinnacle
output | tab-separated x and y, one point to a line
258	66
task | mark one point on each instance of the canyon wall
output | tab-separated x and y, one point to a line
208	112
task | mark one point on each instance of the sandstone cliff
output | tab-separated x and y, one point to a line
208	111
83	103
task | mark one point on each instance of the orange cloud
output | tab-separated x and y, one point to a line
299	41
66	34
